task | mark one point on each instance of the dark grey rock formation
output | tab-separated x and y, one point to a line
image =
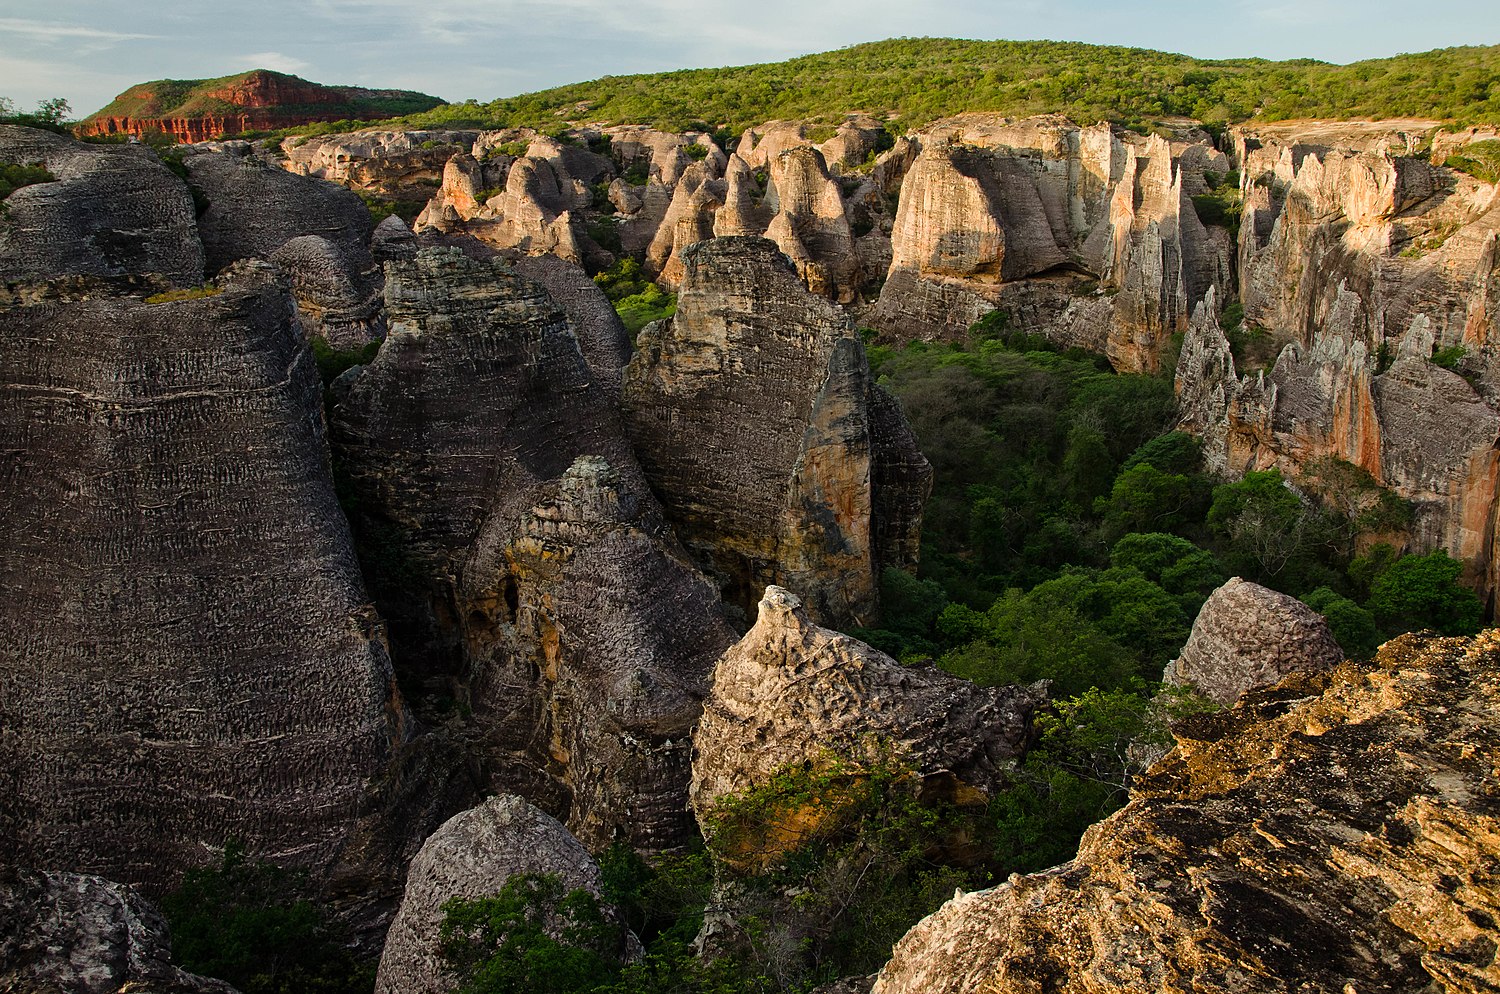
115	211
601	335
515	548
778	461
187	654
61	933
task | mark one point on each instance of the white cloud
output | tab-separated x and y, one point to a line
271	60
51	33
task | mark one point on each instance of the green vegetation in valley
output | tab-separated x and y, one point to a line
915	80
187	293
637	300
1479	159
244	921
14	175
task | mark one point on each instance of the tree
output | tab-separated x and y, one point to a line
1424	592
1173	563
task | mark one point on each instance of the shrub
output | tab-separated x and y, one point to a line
192	293
14	175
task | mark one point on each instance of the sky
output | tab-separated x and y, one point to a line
87	51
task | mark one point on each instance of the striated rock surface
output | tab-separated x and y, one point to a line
809	225
472	856
1336	833
791	693
188	653
755	419
259	100
61	933
601	334
114	211
518	555
316	232
1247	637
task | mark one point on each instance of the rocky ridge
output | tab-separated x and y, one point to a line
1333	833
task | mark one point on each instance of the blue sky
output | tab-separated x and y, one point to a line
89	50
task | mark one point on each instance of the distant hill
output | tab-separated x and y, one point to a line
920	79
258	100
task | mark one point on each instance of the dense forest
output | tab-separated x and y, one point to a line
917	80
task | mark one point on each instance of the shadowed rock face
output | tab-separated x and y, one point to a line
115	211
188	653
61	932
472	856
517	551
775	456
601	335
1247	637
1334	833
792	693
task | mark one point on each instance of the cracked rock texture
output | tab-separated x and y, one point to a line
1247	637
1335	833
188	653
790	693
62	933
472	856
518	554
114	211
777	459
316	232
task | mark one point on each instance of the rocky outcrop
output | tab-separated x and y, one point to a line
472	856
534	209
403	165
792	694
751	411
601	335
316	232
518	555
61	933
1247	637
1333	833
1082	234
259	100
189	654
113	211
808	223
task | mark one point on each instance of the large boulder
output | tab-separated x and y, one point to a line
793	694
472	856
1332	834
1247	637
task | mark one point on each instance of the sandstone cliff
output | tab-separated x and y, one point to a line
777	460
113	212
399	164
189	655
259	100
1331	834
518	554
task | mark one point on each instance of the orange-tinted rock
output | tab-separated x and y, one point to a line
259	100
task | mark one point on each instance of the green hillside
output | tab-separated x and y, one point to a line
919	80
190	98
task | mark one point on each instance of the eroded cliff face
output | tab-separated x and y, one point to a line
189	655
1082	234
776	458
1334	833
519	556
